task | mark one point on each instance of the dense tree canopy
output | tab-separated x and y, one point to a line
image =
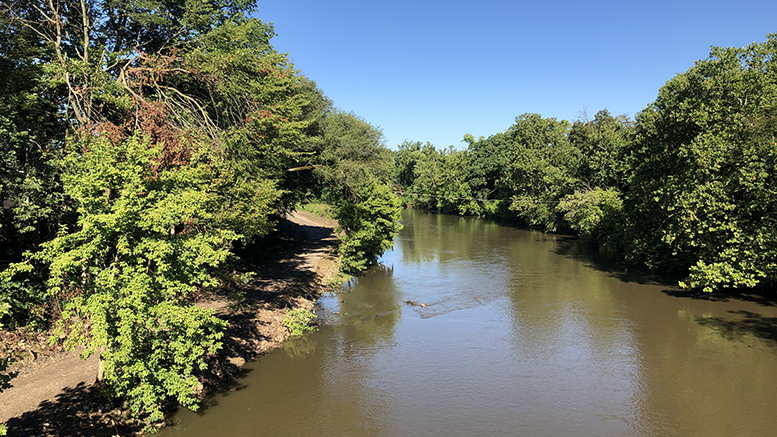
689	186
703	192
356	167
140	142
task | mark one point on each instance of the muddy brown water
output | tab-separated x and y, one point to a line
520	334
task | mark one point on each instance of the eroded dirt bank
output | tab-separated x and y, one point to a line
54	394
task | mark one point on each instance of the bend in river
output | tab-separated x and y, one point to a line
471	328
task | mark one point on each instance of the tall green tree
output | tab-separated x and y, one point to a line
489	172
595	209
407	155
542	166
427	176
31	134
601	144
442	182
178	130
702	197
355	168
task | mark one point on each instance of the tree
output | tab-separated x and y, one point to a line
148	235
352	153
30	136
175	144
601	143
406	157
702	195
489	172
370	219
91	44
542	166
427	176
595	209
355	168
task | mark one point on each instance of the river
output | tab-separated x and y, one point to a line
509	332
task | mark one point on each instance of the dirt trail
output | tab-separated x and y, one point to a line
53	393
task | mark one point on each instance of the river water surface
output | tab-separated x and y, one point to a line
520	334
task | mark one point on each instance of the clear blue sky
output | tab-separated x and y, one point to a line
433	71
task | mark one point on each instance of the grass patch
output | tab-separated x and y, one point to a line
319	209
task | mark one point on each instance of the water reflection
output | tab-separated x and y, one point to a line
520	333
744	328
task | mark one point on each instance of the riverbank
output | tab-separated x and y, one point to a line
521	334
55	394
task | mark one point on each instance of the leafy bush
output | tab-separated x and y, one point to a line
5	382
22	300
299	321
370	221
147	237
595	214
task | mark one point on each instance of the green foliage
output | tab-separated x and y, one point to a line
146	238
420	174
6	377
489	170
354	168
5	383
595	214
32	204
23	299
369	219
406	157
319	209
601	144
352	153
702	195
336	283
542	166
299	321
441	182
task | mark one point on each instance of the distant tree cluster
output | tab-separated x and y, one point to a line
689	186
139	143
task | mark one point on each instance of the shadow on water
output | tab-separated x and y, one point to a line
607	261
749	324
762	296
601	259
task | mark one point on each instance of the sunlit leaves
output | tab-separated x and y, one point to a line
703	193
370	219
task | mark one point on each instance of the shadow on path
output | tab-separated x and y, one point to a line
285	271
77	411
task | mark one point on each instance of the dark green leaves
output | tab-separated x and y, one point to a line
703	190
